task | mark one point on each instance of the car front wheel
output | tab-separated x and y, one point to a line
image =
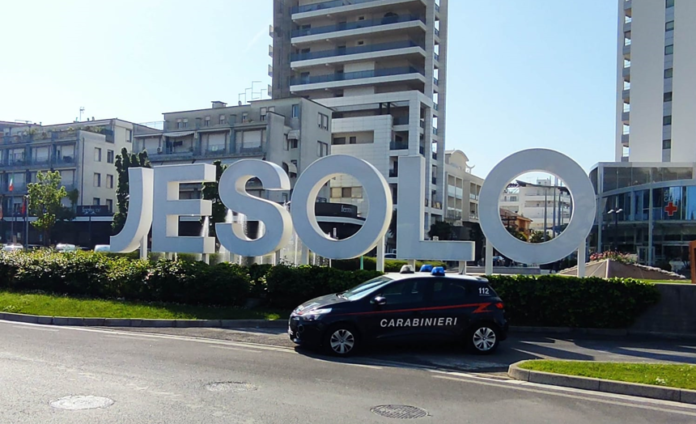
342	340
483	339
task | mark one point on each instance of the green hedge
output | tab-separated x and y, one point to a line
549	301
370	264
558	301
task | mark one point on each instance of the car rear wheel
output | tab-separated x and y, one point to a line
341	340
483	339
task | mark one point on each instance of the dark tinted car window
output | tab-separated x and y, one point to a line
403	292
449	291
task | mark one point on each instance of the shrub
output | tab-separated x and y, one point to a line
558	301
370	264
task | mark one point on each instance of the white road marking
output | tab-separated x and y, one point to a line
52	330
239	349
128	337
686	409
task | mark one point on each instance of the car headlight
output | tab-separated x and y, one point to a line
315	314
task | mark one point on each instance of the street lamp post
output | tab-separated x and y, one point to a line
616	213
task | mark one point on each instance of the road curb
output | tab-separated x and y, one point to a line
142	323
604	386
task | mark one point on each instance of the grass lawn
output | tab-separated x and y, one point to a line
62	306
667	375
687	281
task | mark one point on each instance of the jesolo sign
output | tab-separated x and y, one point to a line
155	204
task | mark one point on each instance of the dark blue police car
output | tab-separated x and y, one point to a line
425	306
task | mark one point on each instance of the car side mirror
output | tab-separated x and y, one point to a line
379	300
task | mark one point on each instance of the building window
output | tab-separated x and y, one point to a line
667	120
669	49
109	181
264	112
323	121
97	179
245	117
336	192
110	156
271	109
223	119
666	144
356	193
346	192
110	205
97	154
668	97
669	72
294	162
322	149
669	3
206	121
129	136
338	141
669	26
96	201
354	140
295	111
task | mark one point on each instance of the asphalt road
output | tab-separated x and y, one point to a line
177	379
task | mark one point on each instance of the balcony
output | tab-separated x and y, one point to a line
434	180
398	145
64	161
347	26
437	57
393	173
625	117
435	131
624	139
434	155
437	32
400	120
17	189
172	154
215	152
348	76
436	106
436	81
355	50
326	5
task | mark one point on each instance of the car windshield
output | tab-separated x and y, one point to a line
364	289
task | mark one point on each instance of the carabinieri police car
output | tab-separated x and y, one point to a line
425	306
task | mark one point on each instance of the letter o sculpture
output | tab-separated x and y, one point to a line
581	221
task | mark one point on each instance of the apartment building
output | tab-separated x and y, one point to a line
656	81
381	66
547	203
83	152
463	189
291	132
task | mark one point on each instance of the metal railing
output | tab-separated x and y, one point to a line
400	120
356	75
326	5
397	145
393	173
370	48
345	26
436	81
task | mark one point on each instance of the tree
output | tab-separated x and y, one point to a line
210	192
45	197
441	229
538	237
517	233
124	162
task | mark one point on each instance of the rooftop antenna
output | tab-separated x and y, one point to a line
82	110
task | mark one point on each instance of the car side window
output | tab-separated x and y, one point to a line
404	292
449	292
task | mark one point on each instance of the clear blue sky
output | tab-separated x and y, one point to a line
522	73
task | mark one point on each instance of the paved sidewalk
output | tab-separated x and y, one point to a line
518	347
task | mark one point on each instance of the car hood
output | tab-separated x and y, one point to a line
320	302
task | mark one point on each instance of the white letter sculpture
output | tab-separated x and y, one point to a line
375	189
168	208
581	192
411	219
233	194
139	218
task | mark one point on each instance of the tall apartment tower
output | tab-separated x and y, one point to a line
656	84
381	65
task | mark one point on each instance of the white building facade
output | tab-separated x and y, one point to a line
291	133
381	66
83	152
546	203
656	81
463	189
